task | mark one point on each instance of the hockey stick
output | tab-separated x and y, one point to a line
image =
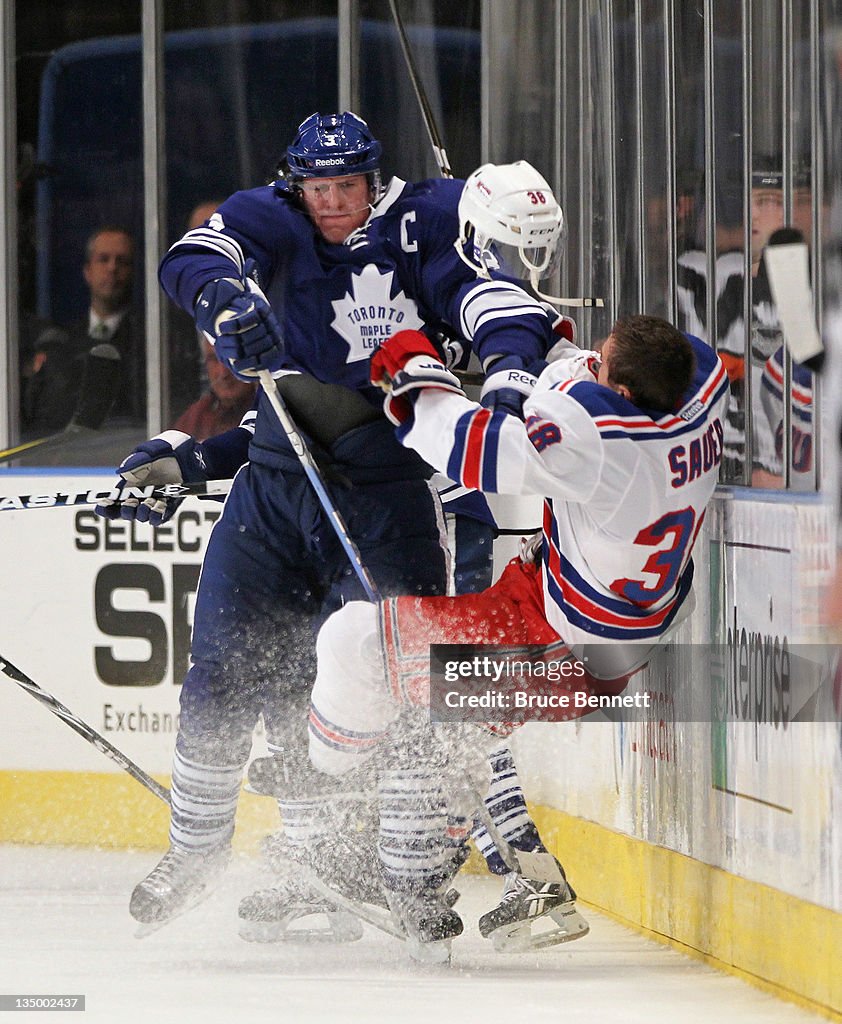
441	155
377	918
83	729
787	266
96	396
45	444
310	466
436	142
210	490
542	867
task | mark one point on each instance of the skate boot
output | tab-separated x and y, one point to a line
292	910
533	914
428	922
179	881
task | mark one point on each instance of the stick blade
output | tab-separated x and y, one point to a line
787	267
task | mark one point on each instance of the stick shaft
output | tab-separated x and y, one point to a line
64	499
426	110
70	433
86	731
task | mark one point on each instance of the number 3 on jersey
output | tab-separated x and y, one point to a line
666	563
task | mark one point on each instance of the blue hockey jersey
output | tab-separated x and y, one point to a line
337	303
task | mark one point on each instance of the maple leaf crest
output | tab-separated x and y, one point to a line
368	314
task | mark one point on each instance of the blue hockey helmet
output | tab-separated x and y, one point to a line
331	146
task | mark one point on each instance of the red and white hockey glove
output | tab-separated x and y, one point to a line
578	364
564	328
404	365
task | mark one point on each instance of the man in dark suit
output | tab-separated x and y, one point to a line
109	273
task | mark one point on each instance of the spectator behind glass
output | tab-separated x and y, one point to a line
188	377
109	274
767	215
222	406
53	364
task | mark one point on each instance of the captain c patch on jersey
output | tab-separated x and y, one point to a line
369	314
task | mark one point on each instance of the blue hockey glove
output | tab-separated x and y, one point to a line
507	386
402	366
241	326
169	458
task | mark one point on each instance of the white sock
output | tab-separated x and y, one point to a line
204	803
413	824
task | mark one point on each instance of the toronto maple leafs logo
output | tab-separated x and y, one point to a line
369	314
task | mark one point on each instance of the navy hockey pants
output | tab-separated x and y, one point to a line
273	570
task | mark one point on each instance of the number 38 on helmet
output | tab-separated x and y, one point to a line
510	222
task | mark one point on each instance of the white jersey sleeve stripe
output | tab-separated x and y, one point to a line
474	455
216	242
248	420
494	299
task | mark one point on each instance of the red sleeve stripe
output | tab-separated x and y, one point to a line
474	445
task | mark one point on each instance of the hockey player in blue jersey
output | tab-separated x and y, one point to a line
343	262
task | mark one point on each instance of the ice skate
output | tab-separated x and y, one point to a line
179	881
533	914
294	912
423	911
296	909
428	922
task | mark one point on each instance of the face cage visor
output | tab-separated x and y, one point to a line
295	180
526	261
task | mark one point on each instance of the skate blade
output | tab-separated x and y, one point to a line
148	928
364	912
429	952
530	935
339	927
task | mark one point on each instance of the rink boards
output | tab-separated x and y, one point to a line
715	826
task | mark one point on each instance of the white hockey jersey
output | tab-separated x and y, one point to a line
625	490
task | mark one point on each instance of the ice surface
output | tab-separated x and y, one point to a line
65	929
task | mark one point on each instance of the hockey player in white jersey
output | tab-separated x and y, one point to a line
625	448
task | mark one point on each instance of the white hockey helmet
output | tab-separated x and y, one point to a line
510	221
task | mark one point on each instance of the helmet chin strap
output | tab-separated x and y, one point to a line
534	280
350	235
478	268
359	209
